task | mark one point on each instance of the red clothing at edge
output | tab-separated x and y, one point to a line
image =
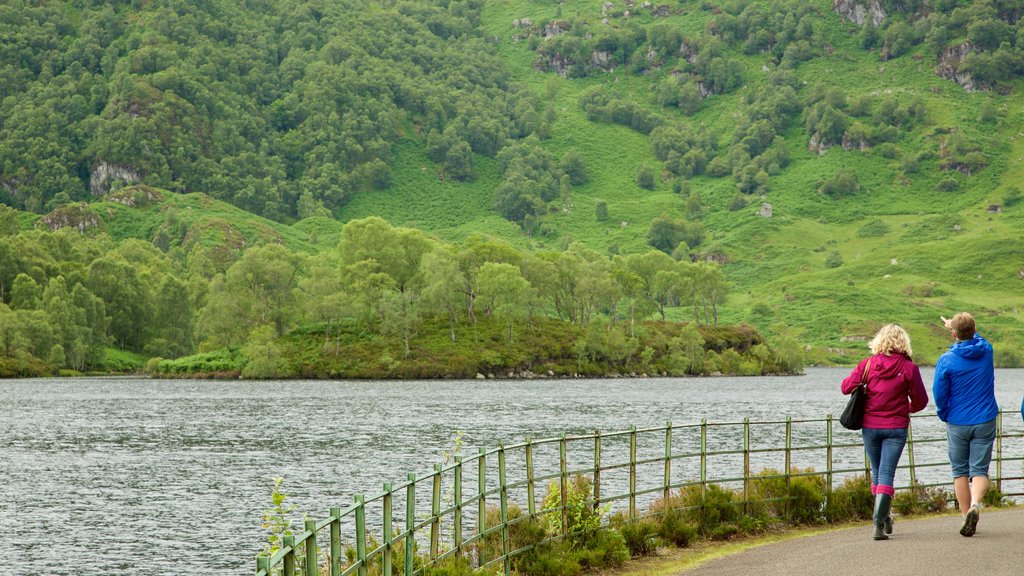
894	390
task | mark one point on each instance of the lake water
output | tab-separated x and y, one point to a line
106	476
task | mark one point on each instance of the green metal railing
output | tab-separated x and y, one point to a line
652	462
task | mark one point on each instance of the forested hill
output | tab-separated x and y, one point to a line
281	108
841	163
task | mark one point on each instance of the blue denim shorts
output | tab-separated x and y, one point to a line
970	448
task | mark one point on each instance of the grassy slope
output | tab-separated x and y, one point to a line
779	262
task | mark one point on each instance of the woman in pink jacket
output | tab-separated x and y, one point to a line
894	390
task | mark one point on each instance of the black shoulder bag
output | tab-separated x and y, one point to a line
853	415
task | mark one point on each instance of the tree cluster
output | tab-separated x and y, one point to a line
990	30
66	297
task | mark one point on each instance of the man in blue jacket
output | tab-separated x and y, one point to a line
964	393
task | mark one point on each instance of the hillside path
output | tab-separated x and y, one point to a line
918	547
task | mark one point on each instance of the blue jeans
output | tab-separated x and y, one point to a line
884	447
970	448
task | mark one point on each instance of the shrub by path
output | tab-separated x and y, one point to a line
918	547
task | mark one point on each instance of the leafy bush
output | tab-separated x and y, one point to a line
873	229
716	517
993	497
606	550
834	260
851	501
840	185
676	530
523	532
553	559
641	536
583	519
920	499
801	503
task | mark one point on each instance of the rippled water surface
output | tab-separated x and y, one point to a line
134	476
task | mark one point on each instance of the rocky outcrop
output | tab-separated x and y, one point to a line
851	143
561	65
949	65
601	59
9	186
78	216
136	196
817	144
556	28
860	11
765	211
104	175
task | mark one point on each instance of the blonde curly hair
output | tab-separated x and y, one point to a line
891	338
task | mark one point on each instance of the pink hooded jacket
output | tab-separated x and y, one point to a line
894	390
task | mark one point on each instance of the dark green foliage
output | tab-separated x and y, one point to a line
873	229
842	184
645	177
607	549
601	107
254	105
717	515
676	530
922	500
641	536
948	185
665	233
850	501
601	210
530	179
993	497
834	260
801	503
552	559
1012	196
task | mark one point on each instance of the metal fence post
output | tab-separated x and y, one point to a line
503	511
563	476
361	534
410	523
703	466
435	512
457	494
288	543
746	465
999	452
828	454
387	560
668	460
789	456
311	567
597	469
481	519
910	454
335	541
531	505
632	472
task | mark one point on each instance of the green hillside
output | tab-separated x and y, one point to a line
939	252
894	192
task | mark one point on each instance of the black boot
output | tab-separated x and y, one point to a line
882	505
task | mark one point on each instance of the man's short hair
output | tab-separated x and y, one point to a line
963	326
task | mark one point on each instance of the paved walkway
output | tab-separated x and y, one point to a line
917	547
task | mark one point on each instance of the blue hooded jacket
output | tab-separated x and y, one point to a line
964	385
